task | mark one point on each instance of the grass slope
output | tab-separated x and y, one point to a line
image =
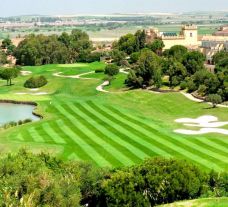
208	202
110	129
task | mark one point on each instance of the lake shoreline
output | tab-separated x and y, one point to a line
23	103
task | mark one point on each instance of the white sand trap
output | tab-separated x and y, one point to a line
207	123
34	89
203	121
39	93
101	87
25	72
34	94
202	131
74	76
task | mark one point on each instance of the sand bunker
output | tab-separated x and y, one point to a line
59	74
202	131
25	72
101	87
34	89
208	124
34	94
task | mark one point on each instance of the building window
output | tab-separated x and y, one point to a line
190	34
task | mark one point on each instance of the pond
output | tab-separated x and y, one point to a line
15	112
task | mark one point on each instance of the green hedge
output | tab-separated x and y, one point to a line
35	82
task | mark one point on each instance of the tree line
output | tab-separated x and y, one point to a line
150	66
42	180
53	49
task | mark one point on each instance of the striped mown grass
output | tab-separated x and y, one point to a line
107	136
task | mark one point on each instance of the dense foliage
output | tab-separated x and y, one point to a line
111	70
3	58
146	72
131	43
154	182
35	82
8	46
66	48
184	69
42	180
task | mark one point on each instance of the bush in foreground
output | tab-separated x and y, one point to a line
41	180
35	82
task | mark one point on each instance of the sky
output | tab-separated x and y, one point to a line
57	7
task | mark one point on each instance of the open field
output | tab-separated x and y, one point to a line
110	129
109	34
207	202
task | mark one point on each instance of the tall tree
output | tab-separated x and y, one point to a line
176	72
147	71
177	52
140	37
156	46
193	61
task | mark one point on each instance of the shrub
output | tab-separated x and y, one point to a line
35	82
27	121
214	99
111	70
202	90
191	86
93	57
100	70
183	85
153	182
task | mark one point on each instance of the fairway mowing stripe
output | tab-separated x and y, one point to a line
180	139
223	140
138	149
73	156
81	153
19	138
138	142
37	138
188	154
27	136
114	151
212	144
123	121
57	139
136	129
209	153
220	141
46	136
101	128
98	142
148	147
87	147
